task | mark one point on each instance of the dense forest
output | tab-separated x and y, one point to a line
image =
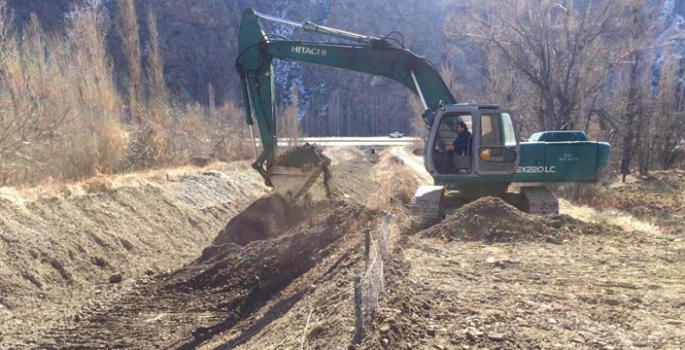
90	87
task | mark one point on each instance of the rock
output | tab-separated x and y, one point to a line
34	254
439	347
426	306
496	336
99	261
554	240
149	272
431	331
609	347
473	334
316	329
578	340
116	278
385	342
551	321
612	302
385	328
636	300
556	223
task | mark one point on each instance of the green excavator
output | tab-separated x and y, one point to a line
495	157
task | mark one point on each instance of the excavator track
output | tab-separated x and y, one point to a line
539	200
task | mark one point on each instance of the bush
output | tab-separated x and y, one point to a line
62	116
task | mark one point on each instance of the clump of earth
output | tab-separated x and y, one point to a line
492	220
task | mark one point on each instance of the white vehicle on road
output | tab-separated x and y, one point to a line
396	135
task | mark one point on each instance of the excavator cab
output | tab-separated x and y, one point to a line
493	151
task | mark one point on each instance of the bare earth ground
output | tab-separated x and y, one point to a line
486	278
59	245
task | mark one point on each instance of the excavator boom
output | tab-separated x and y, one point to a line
293	173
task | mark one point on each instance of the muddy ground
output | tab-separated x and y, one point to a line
488	277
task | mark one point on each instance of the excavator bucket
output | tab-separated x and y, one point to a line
296	170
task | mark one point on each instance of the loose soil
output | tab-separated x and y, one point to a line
280	277
493	220
59	249
613	290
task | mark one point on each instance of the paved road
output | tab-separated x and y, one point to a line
352	141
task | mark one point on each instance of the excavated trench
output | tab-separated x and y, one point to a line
259	253
227	284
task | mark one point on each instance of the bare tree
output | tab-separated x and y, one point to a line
25	120
560	47
155	63
129	32
636	119
288	124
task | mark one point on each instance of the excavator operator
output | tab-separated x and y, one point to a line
461	143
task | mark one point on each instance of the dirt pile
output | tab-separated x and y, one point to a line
263	219
493	220
289	253
302	155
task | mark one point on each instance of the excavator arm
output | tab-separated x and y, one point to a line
379	56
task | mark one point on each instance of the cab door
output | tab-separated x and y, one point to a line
497	150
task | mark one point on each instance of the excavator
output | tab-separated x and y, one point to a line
495	158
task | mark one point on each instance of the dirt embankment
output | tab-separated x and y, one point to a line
58	252
262	269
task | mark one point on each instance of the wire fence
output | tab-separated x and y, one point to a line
373	281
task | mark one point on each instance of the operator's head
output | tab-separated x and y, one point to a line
461	127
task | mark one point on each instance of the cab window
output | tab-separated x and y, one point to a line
447	131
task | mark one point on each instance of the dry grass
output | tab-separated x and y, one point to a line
396	185
62	117
649	204
98	184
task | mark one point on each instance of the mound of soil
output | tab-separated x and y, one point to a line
302	155
261	220
489	219
288	252
493	220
